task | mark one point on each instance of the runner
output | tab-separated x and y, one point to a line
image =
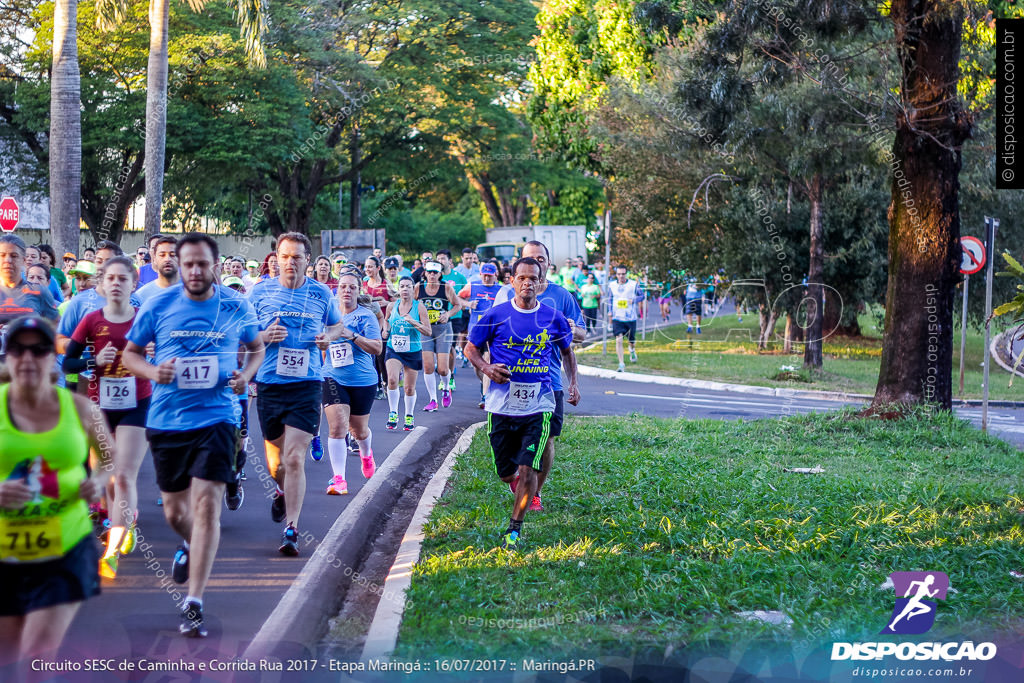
87	300
405	321
665	302
694	301
123	399
193	421
48	257
565	303
322	273
624	295
46	434
477	298
293	312
459	321
32	259
350	382
441	302
380	292
165	264
522	335
467	268
17	296
590	299
148	271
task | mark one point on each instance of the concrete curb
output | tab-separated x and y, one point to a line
603	373
303	610
383	634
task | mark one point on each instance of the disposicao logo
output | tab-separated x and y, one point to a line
913	614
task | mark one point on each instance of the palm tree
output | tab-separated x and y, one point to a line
252	22
65	130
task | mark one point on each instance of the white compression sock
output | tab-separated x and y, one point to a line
445	379
410	404
364	444
431	387
393	399
337	451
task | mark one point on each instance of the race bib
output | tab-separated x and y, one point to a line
292	362
32	539
400	342
433	315
197	373
622	303
117	393
523	397
341	354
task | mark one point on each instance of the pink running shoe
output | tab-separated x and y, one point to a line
446	398
369	467
430	407
337	487
535	505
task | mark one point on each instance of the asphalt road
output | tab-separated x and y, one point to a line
136	616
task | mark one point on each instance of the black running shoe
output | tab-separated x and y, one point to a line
179	565
289	542
192	621
277	511
234	494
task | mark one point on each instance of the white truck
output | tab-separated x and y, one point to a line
562	241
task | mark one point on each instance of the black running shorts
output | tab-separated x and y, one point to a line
558	417
622	327
136	417
409	359
34	585
206	453
460	324
295	404
517	440
693	307
358	399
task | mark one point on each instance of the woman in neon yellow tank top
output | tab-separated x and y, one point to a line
48	556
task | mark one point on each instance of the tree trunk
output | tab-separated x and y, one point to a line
482	184
924	219
815	275
65	130
787	344
355	214
156	114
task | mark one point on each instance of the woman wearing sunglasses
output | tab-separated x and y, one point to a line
46	434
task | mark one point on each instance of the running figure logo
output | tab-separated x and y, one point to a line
914	612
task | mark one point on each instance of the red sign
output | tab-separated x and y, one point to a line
971	260
9	214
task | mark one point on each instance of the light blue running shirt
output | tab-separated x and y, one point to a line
346	363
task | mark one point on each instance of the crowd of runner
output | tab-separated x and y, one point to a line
113	357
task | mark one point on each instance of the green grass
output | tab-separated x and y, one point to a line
726	351
658	532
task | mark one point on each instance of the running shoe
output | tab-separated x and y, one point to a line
430	407
451	381
289	541
689	329
353	445
179	565
739	318
622	367
337	487
380	393
535	505
510	541
409	423
160	501
192	621
446	398
234	494
369	466
277	510
108	566
316	449
392	423
632	354
698	330
465	362
129	540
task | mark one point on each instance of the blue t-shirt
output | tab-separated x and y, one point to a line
347	363
55	290
204	337
147	292
304	311
81	305
558	298
147	274
483	295
526	342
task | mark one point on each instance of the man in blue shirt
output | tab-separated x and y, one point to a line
477	298
193	418
560	299
147	271
165	263
522	336
294	312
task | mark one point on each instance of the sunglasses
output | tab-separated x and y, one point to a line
37	350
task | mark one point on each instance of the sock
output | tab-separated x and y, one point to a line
410	404
337	452
364	444
114	538
192	598
431	387
184	543
445	381
515	525
393	400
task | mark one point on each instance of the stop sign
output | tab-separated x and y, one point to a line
9	214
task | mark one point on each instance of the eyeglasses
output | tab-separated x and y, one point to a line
37	350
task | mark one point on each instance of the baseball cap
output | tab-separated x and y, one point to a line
31	322
68	254
390	262
233	281
83	268
433	267
252	264
488	268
